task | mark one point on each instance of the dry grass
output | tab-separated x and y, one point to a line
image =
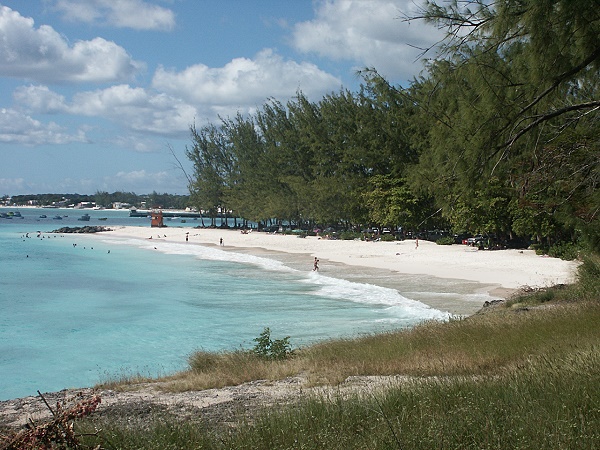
479	345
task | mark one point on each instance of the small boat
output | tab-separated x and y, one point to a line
102	218
85	218
57	217
43	216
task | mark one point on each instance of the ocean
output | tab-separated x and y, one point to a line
76	310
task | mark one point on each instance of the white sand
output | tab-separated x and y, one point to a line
508	269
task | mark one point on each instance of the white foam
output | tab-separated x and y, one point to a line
334	288
206	253
373	295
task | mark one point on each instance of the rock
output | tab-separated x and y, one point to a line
87	229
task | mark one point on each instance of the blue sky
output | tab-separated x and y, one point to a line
94	94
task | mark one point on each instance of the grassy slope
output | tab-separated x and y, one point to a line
526	375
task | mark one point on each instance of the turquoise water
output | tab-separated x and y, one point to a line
77	310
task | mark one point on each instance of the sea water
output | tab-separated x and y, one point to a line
76	310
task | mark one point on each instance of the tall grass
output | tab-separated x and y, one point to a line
548	403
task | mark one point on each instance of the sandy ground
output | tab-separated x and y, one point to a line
509	269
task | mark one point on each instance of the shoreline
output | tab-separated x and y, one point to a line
371	262
498	273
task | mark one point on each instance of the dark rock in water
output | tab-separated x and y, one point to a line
88	229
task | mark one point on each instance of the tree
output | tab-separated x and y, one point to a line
513	92
212	166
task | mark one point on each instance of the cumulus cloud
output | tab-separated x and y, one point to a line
136	109
44	55
18	128
178	99
39	99
370	33
136	14
243	83
130	108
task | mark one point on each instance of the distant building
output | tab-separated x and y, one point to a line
156	219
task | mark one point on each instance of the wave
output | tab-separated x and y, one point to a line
324	286
371	294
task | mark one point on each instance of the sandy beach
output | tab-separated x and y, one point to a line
500	272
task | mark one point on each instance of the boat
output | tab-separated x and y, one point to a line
85	217
102	218
43	216
57	217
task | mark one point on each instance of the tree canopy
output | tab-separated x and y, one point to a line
499	135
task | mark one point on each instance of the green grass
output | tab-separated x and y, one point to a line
526	376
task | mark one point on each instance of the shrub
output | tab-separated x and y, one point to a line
388	237
268	349
349	235
446	240
564	250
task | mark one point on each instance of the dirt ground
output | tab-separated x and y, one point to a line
146	402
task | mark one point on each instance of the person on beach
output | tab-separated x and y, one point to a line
186	238
221	242
416	243
316	265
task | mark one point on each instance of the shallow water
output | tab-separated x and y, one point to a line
76	310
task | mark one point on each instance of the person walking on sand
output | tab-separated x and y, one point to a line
416	243
221	242
316	265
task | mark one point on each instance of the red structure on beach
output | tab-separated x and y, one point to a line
156	219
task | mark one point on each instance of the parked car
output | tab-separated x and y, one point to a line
475	240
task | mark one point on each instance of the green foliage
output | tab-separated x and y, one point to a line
565	250
446	240
277	349
349	235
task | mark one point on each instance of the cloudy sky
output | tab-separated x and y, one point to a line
94	94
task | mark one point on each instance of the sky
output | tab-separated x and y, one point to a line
99	95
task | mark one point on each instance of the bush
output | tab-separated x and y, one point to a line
349	235
274	350
565	250
446	240
388	237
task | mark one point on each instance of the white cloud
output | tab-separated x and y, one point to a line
130	108
245	83
145	181
137	143
44	55
12	185
136	14
370	33
18	128
136	109
39	99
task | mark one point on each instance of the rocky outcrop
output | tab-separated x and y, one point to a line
88	229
